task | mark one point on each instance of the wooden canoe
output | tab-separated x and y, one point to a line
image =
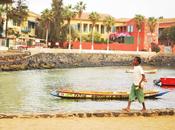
152	71
101	95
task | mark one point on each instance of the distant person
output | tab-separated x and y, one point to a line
137	86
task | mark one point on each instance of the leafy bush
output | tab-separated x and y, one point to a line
155	47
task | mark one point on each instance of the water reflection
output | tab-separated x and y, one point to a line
29	91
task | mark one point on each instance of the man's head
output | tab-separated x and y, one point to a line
136	61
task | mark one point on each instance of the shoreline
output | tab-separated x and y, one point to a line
117	113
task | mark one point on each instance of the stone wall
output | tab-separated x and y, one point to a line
65	60
13	61
133	113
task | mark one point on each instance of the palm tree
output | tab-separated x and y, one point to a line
152	22
1	21
5	1
46	18
80	7
94	17
109	21
68	14
139	19
56	25
18	12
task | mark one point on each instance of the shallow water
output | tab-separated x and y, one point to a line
29	91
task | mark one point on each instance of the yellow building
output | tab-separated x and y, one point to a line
99	27
27	27
21	31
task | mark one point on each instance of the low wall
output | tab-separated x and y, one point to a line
70	60
103	46
148	113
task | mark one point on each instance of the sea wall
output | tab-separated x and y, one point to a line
119	113
65	60
13	61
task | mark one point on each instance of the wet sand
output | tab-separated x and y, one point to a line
94	123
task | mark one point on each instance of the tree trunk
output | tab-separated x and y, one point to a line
69	37
80	34
92	46
138	40
6	27
108	43
47	35
150	42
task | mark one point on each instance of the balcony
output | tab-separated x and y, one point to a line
25	30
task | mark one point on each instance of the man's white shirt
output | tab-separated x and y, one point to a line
137	74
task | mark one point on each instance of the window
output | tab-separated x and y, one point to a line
85	28
90	27
102	29
113	28
130	28
97	28
78	26
16	23
129	40
31	24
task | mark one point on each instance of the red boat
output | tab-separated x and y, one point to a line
168	81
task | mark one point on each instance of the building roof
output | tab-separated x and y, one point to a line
123	20
33	14
85	16
167	20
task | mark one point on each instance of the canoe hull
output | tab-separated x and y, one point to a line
101	95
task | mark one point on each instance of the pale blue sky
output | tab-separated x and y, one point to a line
117	8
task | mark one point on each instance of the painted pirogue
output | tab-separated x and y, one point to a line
101	95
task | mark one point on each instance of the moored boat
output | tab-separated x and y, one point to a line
168	81
165	82
152	71
102	95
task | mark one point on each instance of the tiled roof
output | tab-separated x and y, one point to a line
167	20
85	16
123	19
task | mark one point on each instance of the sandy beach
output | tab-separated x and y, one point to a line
94	123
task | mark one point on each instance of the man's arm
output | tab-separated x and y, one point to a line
142	79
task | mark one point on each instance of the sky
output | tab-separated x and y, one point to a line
116	8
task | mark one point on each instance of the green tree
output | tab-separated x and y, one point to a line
69	14
15	10
109	21
171	35
94	17
1	21
80	7
152	22
167	37
5	5
5	1
56	24
46	19
139	19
